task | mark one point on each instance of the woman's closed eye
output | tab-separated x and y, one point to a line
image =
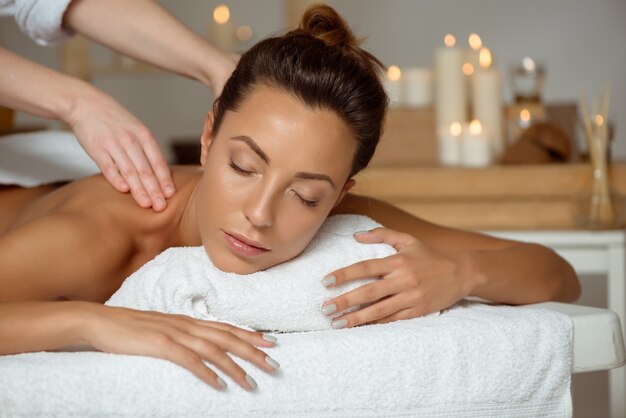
238	169
244	172
309	203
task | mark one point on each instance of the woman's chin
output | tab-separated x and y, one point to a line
230	263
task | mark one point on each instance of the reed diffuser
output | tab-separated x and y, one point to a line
597	209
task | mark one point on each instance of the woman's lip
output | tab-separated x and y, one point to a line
237	244
247	241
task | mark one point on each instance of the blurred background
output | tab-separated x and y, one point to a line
578	43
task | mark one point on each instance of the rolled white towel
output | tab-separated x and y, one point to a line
283	298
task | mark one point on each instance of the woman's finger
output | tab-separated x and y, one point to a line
396	239
408	313
228	341
378	310
187	358
366	269
252	337
365	294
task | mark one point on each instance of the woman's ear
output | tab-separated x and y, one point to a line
349	184
207	137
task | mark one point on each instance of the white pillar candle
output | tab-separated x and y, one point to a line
450	94
393	85
449	143
487	101
475	146
417	87
471	64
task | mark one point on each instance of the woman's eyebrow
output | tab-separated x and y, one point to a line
250	142
315	176
300	174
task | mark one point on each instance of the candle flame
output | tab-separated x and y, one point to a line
524	115
484	58
244	32
449	40
394	73
221	14
529	64
475	42
456	129
468	68
599	120
475	127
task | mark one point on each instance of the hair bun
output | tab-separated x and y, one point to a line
324	23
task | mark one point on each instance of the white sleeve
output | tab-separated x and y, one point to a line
42	20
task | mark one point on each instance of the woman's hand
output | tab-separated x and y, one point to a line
415	281
181	340
123	148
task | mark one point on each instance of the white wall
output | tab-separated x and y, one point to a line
582	43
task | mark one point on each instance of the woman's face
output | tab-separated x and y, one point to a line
272	174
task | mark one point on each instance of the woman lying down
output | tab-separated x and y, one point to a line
299	117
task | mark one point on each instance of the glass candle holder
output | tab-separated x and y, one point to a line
527	79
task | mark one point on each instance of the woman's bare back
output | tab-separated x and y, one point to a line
84	235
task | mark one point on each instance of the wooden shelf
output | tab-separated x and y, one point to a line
494	198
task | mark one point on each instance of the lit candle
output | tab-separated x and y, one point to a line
450	94
487	101
471	63
417	87
221	31
449	141
475	147
393	86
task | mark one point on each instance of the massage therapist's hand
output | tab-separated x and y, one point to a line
181	340
415	281
123	148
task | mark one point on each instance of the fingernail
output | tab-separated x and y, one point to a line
169	190
360	233
269	338
275	365
221	382
159	201
328	309
251	381
328	281
340	323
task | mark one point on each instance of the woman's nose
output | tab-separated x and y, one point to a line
260	209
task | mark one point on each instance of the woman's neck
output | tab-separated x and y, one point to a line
185	222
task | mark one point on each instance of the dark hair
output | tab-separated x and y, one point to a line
322	64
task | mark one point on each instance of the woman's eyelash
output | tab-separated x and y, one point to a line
238	169
309	203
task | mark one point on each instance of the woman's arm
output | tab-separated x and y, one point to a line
144	30
64	256
437	266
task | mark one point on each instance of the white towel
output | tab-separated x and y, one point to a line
473	360
36	158
286	297
40	19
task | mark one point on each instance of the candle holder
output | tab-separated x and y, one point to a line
527	80
598	207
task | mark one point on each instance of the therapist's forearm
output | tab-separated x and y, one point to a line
35	89
144	30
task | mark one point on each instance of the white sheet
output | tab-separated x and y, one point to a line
473	360
36	158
